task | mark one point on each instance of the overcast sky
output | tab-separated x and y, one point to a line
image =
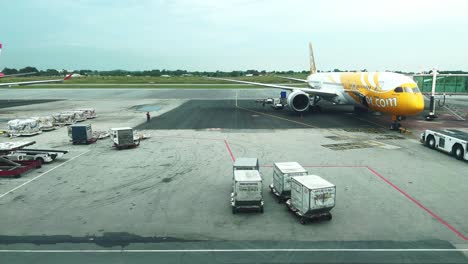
408	35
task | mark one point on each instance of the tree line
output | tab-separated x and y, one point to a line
159	73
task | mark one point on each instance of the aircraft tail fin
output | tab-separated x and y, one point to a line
313	68
0	48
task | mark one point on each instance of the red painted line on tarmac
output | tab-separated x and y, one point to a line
229	150
438	218
181	137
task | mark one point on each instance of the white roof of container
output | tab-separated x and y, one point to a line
121	128
313	182
80	125
246	162
289	167
247	176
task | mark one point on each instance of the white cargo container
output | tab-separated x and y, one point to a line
282	173
247	191
122	137
79	115
311	197
23	127
89	112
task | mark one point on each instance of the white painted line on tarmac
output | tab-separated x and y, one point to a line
233	250
42	174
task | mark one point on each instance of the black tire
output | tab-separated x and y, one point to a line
40	161
17	176
234	211
302	221
431	142
261	210
458	152
329	217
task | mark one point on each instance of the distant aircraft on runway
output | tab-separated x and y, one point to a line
386	92
29	82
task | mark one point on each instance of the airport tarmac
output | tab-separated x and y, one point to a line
173	191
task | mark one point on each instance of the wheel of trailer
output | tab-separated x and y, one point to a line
302	221
430	141
458	151
40	161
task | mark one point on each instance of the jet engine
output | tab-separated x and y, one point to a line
298	101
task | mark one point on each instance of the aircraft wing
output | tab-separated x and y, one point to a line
292	79
16	74
68	77
289	88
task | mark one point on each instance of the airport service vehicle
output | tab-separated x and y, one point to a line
44	155
282	173
451	141
81	134
247	194
14	165
16	152
10	168
312	197
245	164
386	92
122	137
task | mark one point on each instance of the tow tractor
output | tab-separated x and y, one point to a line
14	166
16	152
451	141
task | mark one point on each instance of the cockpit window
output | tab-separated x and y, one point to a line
416	90
398	90
408	90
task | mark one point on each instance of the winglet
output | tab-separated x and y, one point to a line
68	77
313	69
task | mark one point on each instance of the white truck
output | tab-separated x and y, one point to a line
311	197
247	192
452	141
245	164
122	137
282	173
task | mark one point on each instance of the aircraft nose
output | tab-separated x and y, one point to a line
418	104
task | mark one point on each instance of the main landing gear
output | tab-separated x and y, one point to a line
395	125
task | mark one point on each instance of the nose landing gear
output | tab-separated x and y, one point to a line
395	125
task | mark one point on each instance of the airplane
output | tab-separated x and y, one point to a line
390	93
68	77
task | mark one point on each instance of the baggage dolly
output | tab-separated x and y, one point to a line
281	198
304	218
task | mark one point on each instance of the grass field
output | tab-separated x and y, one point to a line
150	82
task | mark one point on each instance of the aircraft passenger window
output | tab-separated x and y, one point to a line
408	90
398	90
